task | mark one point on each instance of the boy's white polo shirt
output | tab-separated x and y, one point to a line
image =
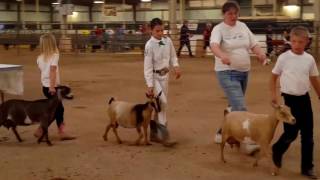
294	71
44	67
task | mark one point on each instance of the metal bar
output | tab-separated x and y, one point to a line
2	97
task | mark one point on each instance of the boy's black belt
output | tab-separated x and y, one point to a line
162	71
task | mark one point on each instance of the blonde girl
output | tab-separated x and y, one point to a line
48	63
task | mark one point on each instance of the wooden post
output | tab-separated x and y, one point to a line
51	14
316	7
18	25
90	13
2	96
182	10
172	18
37	14
134	9
274	9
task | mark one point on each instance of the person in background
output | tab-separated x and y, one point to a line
269	34
206	36
184	38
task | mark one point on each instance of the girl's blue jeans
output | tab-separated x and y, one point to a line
234	85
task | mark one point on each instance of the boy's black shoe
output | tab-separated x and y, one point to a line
276	158
309	173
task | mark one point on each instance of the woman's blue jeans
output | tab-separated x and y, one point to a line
234	84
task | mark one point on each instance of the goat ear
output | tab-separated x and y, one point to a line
159	94
148	96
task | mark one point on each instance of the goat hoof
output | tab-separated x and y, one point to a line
49	143
147	144
275	171
105	138
119	142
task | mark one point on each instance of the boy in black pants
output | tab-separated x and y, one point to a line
296	70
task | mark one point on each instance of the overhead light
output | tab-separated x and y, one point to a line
145	0
74	14
291	7
98	2
55	3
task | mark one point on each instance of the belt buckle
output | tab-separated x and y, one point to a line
163	71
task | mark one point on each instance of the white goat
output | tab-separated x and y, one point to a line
239	126
130	115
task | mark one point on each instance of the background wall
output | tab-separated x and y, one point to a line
196	10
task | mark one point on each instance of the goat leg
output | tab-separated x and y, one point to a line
114	127
40	138
42	135
16	133
47	137
105	136
140	135
145	130
222	145
222	154
262	153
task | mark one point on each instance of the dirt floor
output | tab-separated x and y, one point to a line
196	110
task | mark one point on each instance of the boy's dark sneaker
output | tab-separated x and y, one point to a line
276	158
309	174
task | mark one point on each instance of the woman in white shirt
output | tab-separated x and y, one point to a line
231	42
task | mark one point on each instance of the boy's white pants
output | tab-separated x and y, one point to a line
161	84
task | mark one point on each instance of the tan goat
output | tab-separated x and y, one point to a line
130	115
239	126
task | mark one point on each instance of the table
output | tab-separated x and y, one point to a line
11	79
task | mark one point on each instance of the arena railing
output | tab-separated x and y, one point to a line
82	40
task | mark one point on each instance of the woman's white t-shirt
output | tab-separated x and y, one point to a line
236	41
294	71
44	66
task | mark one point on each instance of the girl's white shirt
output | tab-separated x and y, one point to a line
44	66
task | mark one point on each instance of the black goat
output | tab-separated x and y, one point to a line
16	112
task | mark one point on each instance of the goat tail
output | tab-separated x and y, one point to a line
111	100
226	112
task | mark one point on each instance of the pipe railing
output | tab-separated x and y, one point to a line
86	41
